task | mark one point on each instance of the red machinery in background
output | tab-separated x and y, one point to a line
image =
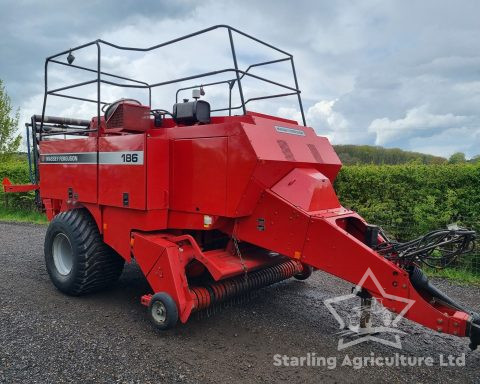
214	206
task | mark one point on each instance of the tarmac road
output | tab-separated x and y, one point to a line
47	337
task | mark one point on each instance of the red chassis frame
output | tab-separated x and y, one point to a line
261	180
8	187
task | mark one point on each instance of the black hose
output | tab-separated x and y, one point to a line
420	282
436	249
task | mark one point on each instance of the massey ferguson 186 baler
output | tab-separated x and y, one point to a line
213	206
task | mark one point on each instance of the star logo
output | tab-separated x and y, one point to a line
369	332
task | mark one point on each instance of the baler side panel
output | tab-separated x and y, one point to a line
199	181
120	177
77	171
298	145
158	175
119	223
241	164
274	225
308	189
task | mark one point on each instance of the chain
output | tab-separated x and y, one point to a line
239	254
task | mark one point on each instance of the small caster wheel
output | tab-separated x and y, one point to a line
305	274
162	311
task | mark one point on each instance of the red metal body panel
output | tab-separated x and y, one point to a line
241	165
57	178
117	176
199	174
223	264
158	172
307	189
283	230
272	144
119	223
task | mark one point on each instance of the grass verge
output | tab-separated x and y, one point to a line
22	216
458	275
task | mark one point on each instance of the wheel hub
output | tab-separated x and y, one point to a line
159	312
62	254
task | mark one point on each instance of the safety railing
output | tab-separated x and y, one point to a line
108	78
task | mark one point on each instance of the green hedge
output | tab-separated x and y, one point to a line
409	199
17	172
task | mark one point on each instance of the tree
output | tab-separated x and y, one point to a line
475	159
9	139
457	158
367	154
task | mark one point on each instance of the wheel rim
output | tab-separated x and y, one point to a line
159	312
62	254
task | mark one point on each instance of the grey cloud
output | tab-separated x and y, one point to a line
32	30
359	63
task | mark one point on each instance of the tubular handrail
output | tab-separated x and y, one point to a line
239	74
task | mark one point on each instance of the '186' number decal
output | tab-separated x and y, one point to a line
130	158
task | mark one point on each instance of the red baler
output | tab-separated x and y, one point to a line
209	206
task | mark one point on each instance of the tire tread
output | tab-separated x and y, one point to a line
98	264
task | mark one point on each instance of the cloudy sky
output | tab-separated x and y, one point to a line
392	73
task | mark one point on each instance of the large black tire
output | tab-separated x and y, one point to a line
77	259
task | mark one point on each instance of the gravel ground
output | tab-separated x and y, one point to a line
48	337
